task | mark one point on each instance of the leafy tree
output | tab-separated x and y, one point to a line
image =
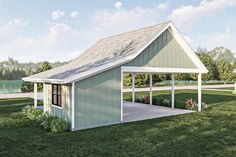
210	65
45	66
28	86
225	70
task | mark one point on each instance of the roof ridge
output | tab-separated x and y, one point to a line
138	29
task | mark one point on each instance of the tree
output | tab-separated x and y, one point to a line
225	70
28	86
44	67
210	65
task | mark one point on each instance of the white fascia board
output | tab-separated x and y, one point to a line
132	69
28	79
184	44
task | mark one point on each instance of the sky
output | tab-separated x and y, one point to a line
52	30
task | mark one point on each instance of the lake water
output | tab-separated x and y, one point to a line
9	87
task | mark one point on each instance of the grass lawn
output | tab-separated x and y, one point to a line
208	133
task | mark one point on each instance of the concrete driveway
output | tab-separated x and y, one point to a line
137	111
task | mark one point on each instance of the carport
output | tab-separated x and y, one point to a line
133	111
137	111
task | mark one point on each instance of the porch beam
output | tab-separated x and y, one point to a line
173	91
150	82
133	88
35	95
199	92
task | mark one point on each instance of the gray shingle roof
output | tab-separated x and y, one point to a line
103	52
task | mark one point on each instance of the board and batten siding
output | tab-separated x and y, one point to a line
164	52
98	99
65	111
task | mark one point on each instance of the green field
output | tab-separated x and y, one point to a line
208	133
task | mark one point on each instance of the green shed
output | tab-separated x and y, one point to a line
88	91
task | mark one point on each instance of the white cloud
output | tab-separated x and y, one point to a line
57	14
107	22
213	40
60	42
188	13
118	5
9	29
74	14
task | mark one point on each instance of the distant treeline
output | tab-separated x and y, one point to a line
13	70
220	63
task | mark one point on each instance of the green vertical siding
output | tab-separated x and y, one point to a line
97	99
65	111
164	52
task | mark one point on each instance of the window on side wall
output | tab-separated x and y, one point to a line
56	94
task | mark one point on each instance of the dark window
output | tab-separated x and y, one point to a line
56	94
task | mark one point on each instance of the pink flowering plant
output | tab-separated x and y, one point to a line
191	104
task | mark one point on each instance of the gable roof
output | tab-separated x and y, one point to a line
110	52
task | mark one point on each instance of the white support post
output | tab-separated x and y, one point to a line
150	82
121	101
235	87
199	92
133	88
73	106
35	95
173	91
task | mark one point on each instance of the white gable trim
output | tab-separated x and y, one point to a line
189	51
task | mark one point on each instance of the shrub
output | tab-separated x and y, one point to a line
180	105
193	105
139	99
55	124
146	99
204	105
33	113
166	102
158	101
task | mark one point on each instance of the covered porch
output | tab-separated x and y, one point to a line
137	111
133	111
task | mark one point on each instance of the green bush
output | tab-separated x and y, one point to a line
166	102
180	105
158	101
139	99
33	113
55	124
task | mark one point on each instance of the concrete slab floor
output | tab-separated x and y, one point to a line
137	111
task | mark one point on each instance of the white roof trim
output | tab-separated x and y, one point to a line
184	44
28	79
132	69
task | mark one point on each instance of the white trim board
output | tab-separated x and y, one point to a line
132	69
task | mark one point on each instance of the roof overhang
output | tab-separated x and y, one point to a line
29	79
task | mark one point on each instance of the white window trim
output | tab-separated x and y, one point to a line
60	107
